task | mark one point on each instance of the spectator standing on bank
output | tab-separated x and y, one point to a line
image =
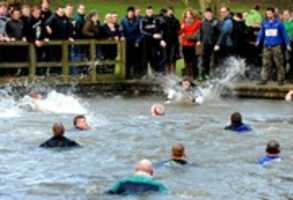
273	36
190	27
131	32
207	37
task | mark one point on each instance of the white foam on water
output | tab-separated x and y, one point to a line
54	102
232	69
8	106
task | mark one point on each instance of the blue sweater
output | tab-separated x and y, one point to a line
240	128
265	160
273	33
130	30
226	29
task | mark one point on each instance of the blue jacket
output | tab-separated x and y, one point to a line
273	33
131	30
241	128
226	30
265	160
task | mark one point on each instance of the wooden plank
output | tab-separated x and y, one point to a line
32	62
65	63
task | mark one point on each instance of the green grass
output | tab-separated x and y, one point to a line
120	6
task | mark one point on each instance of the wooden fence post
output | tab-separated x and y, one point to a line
32	61
65	63
92	66
122	59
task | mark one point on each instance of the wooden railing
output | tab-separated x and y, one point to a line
92	62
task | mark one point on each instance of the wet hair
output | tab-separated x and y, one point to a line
273	147
130	8
58	129
78	117
178	150
273	10
236	118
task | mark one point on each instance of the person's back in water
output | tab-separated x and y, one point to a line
178	157
59	140
141	182
237	125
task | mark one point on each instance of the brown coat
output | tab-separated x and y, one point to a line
91	29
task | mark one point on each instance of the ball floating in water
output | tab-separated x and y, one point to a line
158	110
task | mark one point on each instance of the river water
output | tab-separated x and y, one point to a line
123	132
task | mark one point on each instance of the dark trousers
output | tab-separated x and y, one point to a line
155	55
190	60
133	59
207	58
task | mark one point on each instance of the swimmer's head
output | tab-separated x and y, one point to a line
35	95
58	129
236	118
158	110
187	83
145	166
273	147
178	151
80	122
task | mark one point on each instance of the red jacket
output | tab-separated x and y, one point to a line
189	30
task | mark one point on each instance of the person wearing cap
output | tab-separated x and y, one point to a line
236	124
272	153
131	32
58	139
141	182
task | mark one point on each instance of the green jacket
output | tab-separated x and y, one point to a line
253	17
289	28
137	184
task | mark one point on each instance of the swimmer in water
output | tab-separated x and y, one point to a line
58	139
236	124
141	182
272	153
187	91
80	123
289	96
178	157
158	110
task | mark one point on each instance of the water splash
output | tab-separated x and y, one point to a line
54	102
232	70
8	106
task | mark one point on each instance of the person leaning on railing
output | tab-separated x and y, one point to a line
15	32
58	27
110	30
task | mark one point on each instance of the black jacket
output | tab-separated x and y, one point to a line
60	142
61	26
14	29
34	29
149	26
172	28
209	32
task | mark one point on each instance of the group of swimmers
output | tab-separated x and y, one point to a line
143	179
